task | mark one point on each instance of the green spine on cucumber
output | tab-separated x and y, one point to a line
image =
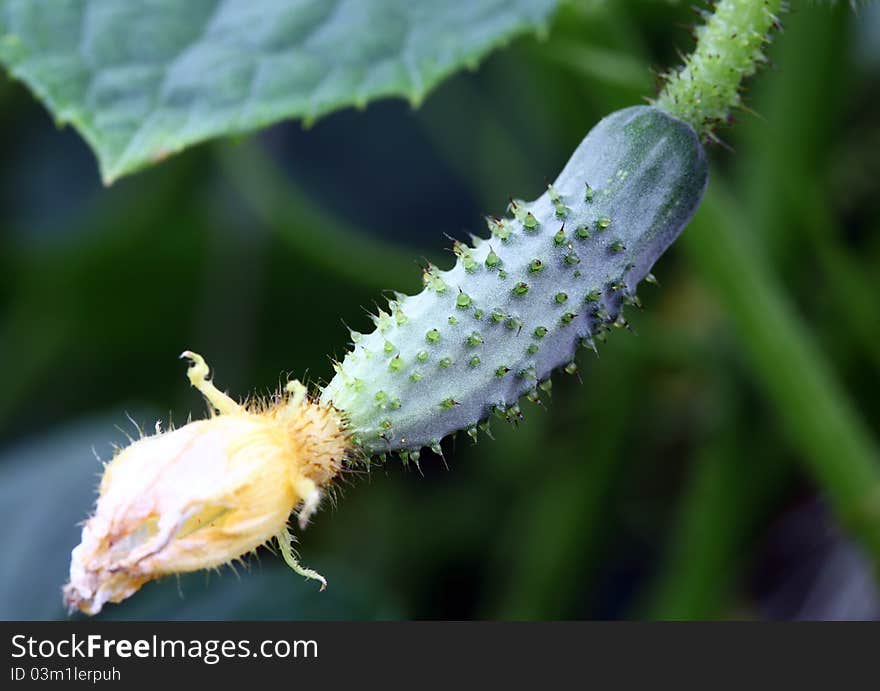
517	304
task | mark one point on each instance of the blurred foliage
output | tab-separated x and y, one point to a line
661	486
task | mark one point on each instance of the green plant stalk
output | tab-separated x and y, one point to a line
728	490
729	49
835	446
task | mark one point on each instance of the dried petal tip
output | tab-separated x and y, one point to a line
202	495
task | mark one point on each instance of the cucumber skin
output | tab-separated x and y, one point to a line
402	389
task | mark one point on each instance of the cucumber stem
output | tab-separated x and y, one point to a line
729	48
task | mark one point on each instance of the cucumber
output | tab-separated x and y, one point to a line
516	305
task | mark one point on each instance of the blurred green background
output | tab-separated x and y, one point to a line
722	463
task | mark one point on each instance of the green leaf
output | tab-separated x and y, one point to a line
143	80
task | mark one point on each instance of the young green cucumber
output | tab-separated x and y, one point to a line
553	276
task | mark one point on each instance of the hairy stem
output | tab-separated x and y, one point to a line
729	49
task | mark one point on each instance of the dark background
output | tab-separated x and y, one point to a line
679	480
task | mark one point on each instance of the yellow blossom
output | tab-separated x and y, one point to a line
202	495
